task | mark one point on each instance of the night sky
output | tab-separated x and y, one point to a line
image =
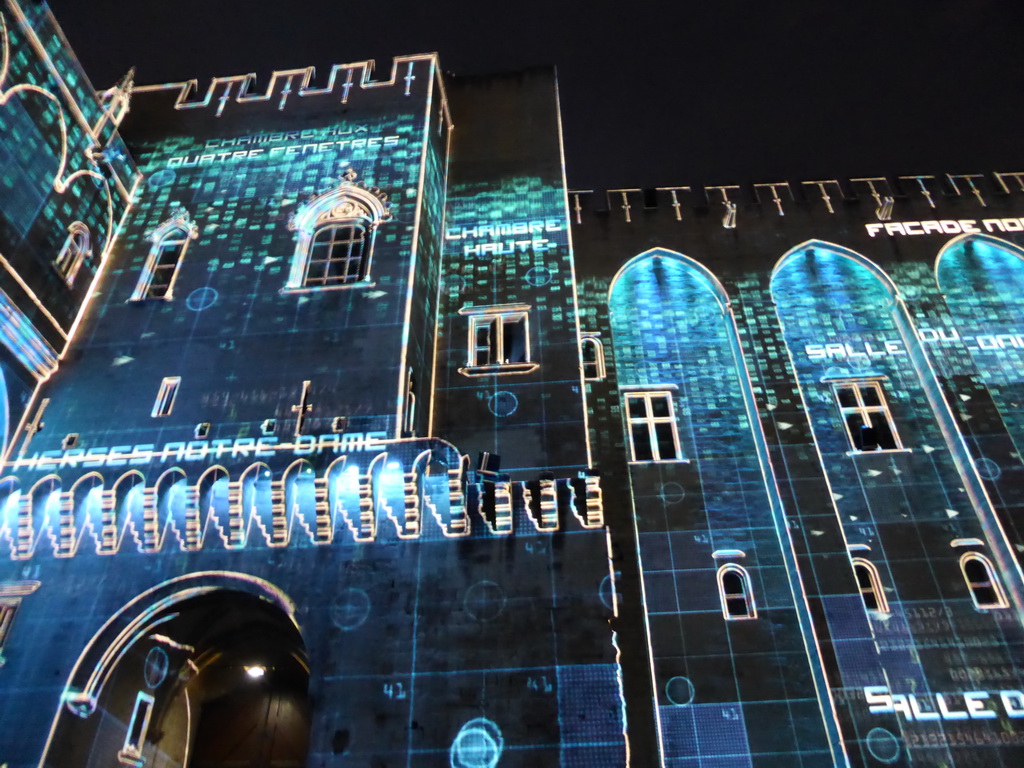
653	94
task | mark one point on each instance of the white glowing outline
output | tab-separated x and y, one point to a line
812	648
74	252
346	203
107	508
747	594
875	582
993	582
176	231
959	452
572	268
82	700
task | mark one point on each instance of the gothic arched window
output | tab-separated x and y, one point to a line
169	242
334	236
74	252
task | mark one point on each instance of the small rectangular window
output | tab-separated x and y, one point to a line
165	396
652	427
7	610
499	340
865	412
134	740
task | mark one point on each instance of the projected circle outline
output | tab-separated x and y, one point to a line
485	600
201	298
988	469
351	609
155	667
606	590
478	744
539	276
671	493
680	691
883	745
162	178
503	403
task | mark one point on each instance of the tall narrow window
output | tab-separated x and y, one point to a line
7	610
335	231
74	252
652	427
865	413
135	739
169	242
870	585
165	396
734	590
986	591
592	352
409	417
499	340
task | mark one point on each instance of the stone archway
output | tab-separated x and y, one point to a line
210	676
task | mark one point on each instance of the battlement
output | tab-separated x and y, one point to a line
885	194
424	487
407	72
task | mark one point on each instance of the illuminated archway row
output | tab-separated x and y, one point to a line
256	507
821	289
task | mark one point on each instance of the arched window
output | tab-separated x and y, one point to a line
870	585
986	591
592	350
734	590
335	234
74	252
338	254
170	241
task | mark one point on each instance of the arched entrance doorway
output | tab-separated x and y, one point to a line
211	676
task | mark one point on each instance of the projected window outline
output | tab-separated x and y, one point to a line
498	341
866	416
651	426
170	241
592	356
735	593
986	591
74	252
8	609
869	584
11	594
165	396
335	233
135	738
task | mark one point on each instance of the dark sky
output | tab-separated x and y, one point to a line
653	93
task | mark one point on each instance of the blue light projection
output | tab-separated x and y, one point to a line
982	278
844	326
673	331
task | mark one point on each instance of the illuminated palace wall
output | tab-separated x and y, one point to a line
340	432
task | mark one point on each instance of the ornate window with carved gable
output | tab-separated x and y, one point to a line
334	236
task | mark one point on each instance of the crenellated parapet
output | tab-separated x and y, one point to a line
409	489
883	197
341	84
